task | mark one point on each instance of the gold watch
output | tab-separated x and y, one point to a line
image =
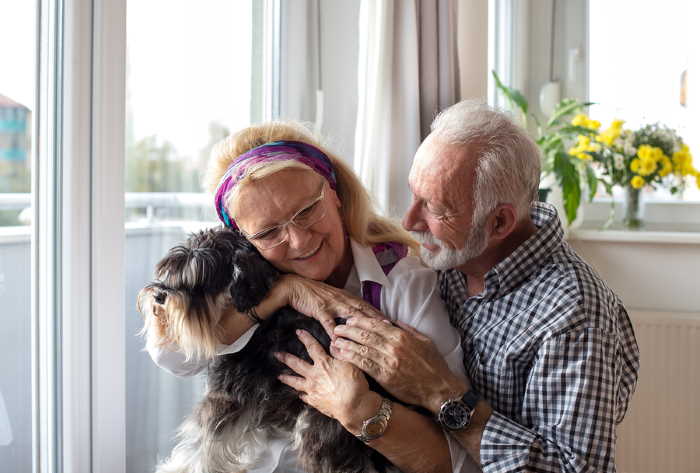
375	426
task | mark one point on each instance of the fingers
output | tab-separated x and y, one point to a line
294	363
362	336
315	349
359	355
295	382
365	329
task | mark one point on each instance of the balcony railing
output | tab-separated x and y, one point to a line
156	401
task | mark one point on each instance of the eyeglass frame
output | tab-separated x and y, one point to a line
319	199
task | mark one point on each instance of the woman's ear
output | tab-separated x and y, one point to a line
334	197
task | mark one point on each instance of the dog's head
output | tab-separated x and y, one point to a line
196	282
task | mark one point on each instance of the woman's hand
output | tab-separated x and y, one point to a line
336	388
320	301
402	360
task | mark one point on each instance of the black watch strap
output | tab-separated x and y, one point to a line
471	398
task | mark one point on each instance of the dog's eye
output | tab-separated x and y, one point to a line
160	297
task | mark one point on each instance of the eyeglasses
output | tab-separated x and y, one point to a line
274	236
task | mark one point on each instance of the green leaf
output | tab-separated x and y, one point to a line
570	183
513	95
577	130
564	108
592	181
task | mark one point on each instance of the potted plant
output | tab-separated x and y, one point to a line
554	137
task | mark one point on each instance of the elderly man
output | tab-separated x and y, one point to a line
548	347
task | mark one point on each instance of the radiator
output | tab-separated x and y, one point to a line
661	432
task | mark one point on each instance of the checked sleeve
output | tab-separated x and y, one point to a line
568	415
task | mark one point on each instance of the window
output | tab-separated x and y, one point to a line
189	84
646	75
17	97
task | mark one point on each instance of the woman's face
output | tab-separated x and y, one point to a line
314	252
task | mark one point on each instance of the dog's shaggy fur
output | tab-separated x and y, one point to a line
246	405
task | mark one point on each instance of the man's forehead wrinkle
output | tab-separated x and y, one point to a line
449	173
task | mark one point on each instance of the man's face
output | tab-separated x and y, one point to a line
441	214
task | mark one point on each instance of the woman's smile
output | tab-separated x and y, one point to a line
307	256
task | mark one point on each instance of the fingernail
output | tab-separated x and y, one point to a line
387	321
277	355
350	321
299	333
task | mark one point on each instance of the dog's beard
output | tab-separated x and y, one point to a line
448	258
193	326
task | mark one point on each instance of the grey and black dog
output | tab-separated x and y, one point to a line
245	406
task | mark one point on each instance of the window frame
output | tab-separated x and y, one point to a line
78	280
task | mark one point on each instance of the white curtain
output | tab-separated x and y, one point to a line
407	72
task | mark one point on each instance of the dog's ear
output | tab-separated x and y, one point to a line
251	278
150	302
193	323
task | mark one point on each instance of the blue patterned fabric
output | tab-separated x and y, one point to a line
553	351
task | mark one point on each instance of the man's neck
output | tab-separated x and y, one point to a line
476	269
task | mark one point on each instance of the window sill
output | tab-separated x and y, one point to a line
666	222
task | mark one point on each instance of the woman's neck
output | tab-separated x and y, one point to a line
339	276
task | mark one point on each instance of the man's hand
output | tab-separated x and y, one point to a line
405	362
320	301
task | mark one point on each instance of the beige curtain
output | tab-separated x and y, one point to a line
407	72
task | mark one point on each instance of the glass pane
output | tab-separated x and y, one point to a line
189	69
647	77
17	85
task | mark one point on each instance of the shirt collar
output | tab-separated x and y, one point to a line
366	264
530	255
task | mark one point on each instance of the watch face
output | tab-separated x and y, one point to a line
374	428
455	415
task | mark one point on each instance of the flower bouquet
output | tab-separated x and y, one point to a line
654	155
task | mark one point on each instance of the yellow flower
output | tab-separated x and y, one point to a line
683	161
617	124
647	166
637	182
582	120
634	165
579	120
608	136
649	153
666	167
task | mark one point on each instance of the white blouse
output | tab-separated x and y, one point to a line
409	294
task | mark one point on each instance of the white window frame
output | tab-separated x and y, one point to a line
78	330
79	377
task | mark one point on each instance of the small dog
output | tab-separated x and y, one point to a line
245	406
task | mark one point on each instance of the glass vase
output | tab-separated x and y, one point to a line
633	208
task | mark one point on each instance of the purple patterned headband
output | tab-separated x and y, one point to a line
267	153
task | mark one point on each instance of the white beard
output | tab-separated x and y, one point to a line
448	258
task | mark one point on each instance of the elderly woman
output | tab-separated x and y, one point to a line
308	215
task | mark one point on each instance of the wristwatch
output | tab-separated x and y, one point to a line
456	414
375	426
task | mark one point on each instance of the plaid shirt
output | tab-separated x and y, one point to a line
552	349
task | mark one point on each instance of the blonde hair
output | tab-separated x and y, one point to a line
361	221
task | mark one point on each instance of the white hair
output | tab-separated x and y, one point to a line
508	160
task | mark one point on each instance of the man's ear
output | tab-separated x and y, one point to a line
502	221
